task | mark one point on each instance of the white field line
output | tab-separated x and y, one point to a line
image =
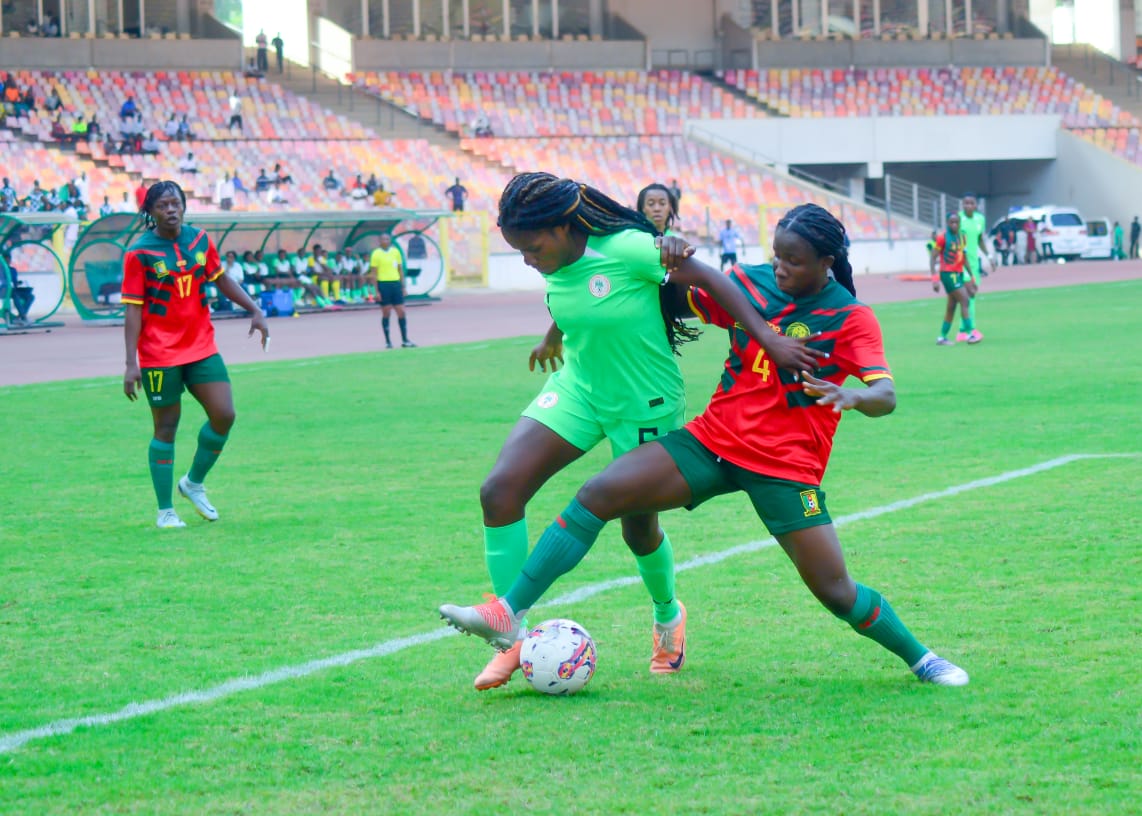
11	742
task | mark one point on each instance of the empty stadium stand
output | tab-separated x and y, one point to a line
950	91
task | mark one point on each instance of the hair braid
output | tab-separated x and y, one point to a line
536	201
825	234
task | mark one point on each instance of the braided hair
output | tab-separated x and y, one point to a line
671	200
539	201
826	235
154	193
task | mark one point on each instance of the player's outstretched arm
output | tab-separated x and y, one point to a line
878	399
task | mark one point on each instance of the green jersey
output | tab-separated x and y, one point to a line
614	338
971	229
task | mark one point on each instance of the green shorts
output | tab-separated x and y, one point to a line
783	506
164	386
569	414
953	281
971	268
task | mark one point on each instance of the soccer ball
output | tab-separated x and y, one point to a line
558	657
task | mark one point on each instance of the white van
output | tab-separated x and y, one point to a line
1060	231
1099	238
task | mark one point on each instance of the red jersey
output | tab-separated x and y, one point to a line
759	418
951	258
167	278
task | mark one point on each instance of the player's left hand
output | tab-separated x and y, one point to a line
827	393
672	251
258	324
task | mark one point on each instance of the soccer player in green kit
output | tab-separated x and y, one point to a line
604	276
973	227
657	202
764	432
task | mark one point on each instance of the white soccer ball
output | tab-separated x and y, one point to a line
558	657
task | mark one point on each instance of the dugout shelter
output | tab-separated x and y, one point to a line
33	245
95	273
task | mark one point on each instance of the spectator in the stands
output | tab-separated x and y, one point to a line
235	111
382	197
53	102
239	187
140	195
58	132
281	176
262	182
106	207
150	144
79	129
372	184
331	182
459	194
11	98
9	200
129	109
188	164
93	128
27	102
184	132
224	193
481	127
125	205
170	129
51	28
262	42
37	199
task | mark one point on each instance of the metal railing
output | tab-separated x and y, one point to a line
911	200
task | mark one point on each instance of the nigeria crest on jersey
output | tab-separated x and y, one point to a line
599	286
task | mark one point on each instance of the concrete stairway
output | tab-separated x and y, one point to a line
387	120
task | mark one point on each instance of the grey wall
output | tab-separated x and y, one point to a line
27	52
373	54
880	140
1093	180
874	53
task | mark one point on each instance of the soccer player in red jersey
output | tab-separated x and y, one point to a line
170	342
765	432
948	254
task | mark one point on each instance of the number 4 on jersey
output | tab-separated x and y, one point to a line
761	365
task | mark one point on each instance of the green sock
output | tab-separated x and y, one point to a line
160	457
657	571
945	327
966	325
505	550
971	310
560	548
210	445
873	617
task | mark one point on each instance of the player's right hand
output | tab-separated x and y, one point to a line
792	354
132	381
546	353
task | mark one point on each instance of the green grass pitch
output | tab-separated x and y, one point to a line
349	502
